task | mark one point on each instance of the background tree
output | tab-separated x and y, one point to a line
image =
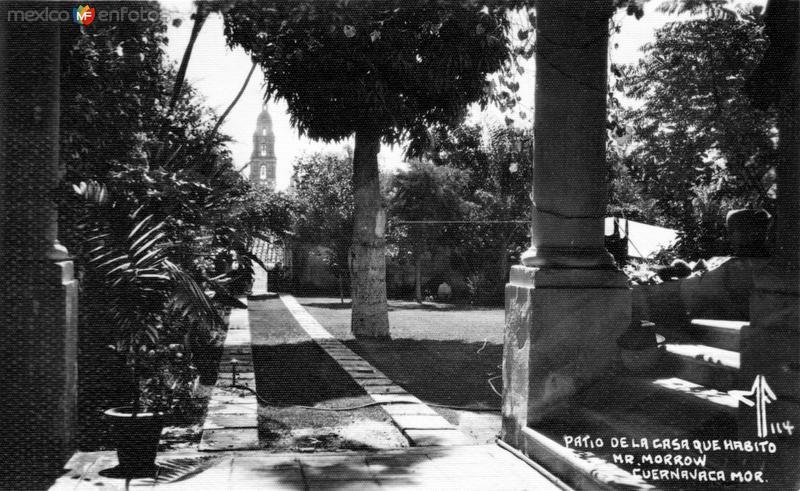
425	193
498	164
378	70
700	147
323	194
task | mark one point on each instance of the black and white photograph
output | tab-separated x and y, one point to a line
487	245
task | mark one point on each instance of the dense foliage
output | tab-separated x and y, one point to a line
323	195
498	163
160	226
700	147
391	65
426	193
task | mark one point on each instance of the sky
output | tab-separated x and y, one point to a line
218	72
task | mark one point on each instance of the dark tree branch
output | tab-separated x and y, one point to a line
210	138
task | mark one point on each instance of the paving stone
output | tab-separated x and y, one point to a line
477	467
408	409
262	473
425	438
367	375
240	367
229	439
405	398
348	469
231	408
338	350
215	477
248	376
226	397
349	359
355	365
219	421
240	363
421	422
374	381
384	389
260	464
459	483
333	343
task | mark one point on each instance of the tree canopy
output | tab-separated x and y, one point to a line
699	143
426	193
323	195
390	65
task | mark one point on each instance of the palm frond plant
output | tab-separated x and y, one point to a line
155	308
153	305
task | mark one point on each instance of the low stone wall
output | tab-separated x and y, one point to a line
721	293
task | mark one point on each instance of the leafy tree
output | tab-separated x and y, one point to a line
323	194
699	142
379	70
426	193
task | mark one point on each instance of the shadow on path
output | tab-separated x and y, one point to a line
292	370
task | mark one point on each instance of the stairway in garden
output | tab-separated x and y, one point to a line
685	397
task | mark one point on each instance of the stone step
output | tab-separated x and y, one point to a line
702	364
670	407
722	334
634	408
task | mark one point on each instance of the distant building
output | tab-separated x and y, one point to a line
262	160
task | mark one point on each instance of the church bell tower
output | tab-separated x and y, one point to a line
262	160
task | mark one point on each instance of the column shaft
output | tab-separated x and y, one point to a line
39	293
569	171
567	304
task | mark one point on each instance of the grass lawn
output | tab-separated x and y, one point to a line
291	370
441	354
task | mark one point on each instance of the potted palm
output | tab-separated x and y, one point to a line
144	292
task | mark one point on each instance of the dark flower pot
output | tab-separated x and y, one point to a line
206	359
137	439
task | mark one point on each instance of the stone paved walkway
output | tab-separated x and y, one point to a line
419	423
443	459
462	468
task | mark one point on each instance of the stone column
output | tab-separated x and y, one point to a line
770	345
567	303
39	294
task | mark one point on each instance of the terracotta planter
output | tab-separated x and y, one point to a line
137	439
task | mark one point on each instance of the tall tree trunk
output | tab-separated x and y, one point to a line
370	317
418	278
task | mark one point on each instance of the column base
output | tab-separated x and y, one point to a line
568	257
560	336
42	370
